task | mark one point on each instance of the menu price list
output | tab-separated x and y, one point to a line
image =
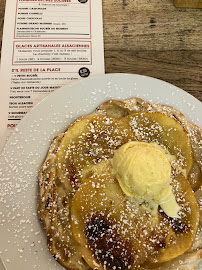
42	52
47	44
49	35
30	85
53	19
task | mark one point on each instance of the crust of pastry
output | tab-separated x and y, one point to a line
52	196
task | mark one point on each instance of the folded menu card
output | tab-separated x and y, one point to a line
46	44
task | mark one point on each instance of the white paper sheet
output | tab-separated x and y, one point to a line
46	44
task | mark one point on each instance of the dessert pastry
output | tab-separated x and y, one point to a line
120	189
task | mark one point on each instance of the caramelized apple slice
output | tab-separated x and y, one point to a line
102	223
115	231
183	229
166	131
86	143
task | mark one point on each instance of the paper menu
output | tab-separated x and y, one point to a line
46	44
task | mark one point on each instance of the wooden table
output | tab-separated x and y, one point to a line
153	38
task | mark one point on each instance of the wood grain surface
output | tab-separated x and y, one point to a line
188	3
153	38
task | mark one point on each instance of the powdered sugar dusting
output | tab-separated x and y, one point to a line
23	240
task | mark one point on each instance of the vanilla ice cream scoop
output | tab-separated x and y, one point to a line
144	172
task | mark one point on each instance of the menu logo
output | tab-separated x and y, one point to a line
83	1
84	72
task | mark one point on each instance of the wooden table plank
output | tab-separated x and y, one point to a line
183	69
151	25
156	39
153	38
188	3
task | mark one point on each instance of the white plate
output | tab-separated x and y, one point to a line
22	238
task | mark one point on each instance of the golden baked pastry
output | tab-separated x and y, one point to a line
91	218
